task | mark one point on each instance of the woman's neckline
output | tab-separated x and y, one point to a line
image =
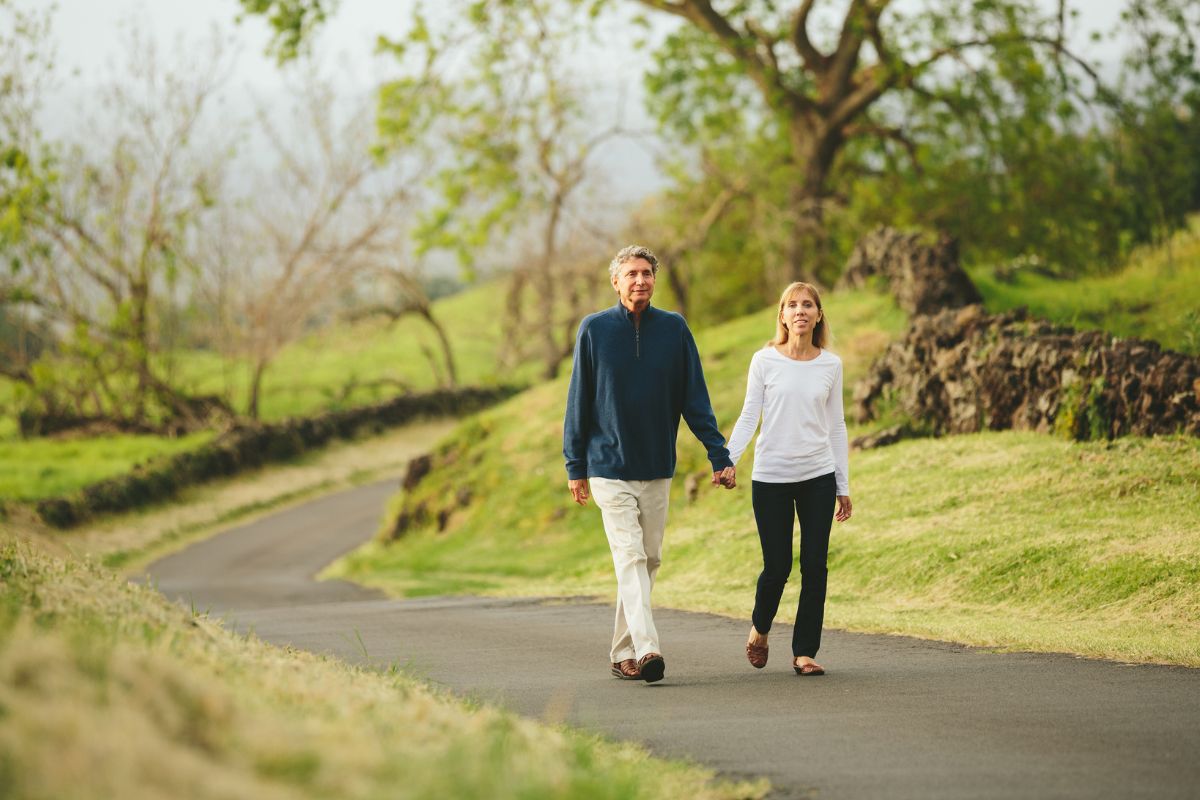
820	352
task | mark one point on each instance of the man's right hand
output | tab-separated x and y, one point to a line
579	490
726	477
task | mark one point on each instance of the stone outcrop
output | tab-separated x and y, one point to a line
964	370
924	278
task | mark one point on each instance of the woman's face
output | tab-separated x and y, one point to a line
800	314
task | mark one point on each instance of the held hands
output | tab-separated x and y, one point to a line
844	508
579	490
726	477
579	487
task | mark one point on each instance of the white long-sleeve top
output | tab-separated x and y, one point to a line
803	424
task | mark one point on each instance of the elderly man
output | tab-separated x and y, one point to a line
636	371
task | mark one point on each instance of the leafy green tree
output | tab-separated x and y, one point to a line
1008	163
1011	143
514	151
762	70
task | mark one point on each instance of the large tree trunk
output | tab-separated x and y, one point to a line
808	253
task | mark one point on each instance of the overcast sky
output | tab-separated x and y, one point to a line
87	32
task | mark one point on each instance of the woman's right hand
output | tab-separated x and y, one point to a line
844	509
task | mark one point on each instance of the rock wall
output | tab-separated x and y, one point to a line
249	447
964	370
924	278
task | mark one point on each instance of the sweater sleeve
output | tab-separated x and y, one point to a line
747	421
697	409
838	439
580	396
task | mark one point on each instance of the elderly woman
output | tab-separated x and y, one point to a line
800	467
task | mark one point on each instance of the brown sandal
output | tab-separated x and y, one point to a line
756	654
626	670
808	669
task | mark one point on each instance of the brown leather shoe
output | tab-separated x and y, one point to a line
652	667
756	654
626	670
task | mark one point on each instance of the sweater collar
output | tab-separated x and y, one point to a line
628	315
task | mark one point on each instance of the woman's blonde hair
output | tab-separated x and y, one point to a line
822	335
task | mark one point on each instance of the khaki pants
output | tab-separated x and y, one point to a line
635	516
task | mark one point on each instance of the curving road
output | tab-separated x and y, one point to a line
894	718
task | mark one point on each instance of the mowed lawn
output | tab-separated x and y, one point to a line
36	468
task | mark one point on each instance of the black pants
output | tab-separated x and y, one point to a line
776	505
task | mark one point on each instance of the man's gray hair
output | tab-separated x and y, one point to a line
628	254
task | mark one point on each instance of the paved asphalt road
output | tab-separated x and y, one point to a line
894	718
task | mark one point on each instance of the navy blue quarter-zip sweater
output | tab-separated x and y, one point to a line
629	386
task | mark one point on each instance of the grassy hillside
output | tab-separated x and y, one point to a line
314	373
1155	296
108	690
1000	539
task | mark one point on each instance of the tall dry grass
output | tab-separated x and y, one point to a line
107	690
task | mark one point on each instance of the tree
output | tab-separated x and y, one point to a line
516	146
326	213
25	65
100	245
820	98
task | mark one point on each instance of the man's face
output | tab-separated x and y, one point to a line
634	282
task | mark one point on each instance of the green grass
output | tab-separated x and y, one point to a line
37	468
1155	296
998	539
108	690
312	374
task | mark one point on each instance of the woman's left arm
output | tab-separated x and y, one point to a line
839	442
